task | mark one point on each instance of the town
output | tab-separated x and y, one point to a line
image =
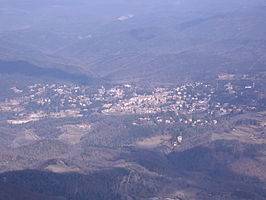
195	104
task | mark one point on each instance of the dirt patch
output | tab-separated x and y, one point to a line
154	142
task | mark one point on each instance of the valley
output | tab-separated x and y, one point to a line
161	134
132	100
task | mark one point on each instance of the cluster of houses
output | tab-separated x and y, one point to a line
184	100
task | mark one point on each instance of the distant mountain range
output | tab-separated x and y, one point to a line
165	42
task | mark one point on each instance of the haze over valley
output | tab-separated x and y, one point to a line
119	99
